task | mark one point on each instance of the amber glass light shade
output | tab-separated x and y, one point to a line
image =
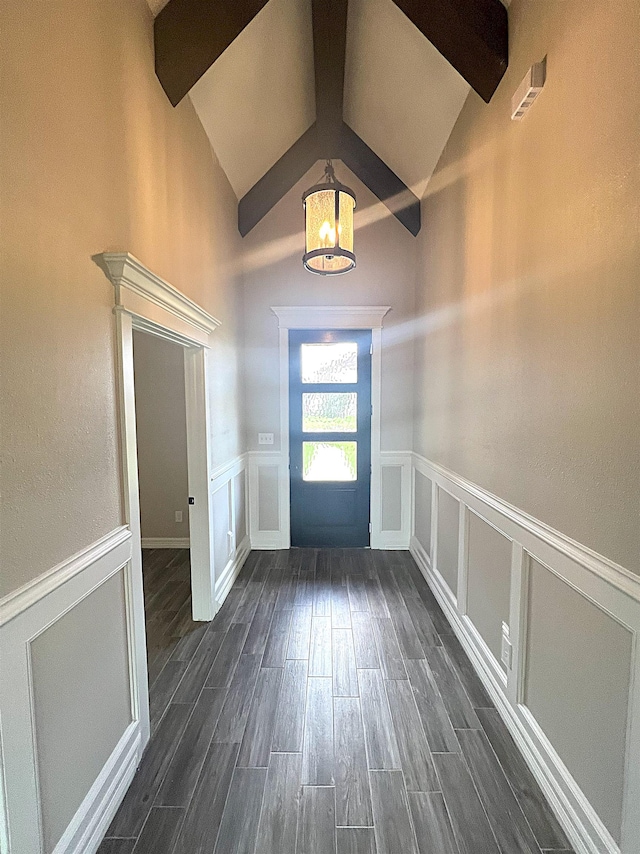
328	211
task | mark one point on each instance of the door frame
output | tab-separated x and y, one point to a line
331	317
145	302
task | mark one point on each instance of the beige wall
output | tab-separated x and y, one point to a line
528	300
577	686
161	430
274	275
93	158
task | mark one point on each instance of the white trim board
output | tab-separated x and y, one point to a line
608	586
165	542
321	317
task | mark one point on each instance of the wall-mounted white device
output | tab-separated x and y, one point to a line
528	90
265	438
178	515
506	650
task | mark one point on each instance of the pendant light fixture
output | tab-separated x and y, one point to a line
328	214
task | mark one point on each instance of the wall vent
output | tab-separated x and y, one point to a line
528	90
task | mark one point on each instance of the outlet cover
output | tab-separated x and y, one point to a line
506	648
178	515
265	438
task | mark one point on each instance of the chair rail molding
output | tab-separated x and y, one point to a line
607	585
321	317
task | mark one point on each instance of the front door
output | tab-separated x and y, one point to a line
330	437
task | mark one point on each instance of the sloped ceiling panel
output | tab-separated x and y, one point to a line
401	96
258	98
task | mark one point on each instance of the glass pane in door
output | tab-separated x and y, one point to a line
329	461
329	412
329	363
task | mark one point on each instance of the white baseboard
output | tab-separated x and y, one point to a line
585	830
231	571
269	541
165	542
87	828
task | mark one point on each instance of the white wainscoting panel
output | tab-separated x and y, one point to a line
391	515
612	588
269	510
24	615
228	526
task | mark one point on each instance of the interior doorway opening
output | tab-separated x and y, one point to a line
163	483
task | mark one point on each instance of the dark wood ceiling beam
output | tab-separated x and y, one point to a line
189	36
473	35
382	181
329	19
277	182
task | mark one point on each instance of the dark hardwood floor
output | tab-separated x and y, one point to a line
327	709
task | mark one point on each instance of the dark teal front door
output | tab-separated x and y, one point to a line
330	437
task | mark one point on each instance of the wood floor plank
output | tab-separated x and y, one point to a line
435	720
320	657
246	610
256	639
382	748
356	840
540	816
279	820
116	846
163	690
160	831
377	602
202	822
364	642
453	695
391	660
340	608
300	632
470	824
239	826
419	773
289	728
423	623
469	678
237	704
317	826
183	771
258	733
197	672
223	619
505	816
318	750
345	674
188	643
226	660
322	586
287	593
134	808
275	652
393	828
358	600
434	833
353	796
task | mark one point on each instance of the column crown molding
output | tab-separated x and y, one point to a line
129	276
330	316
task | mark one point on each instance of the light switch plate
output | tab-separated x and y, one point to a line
178	515
265	438
506	648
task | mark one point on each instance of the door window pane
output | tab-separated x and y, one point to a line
335	461
329	412
329	363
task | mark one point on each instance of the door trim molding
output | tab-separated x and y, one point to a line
145	302
331	317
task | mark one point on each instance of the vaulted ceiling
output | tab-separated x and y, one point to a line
280	84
